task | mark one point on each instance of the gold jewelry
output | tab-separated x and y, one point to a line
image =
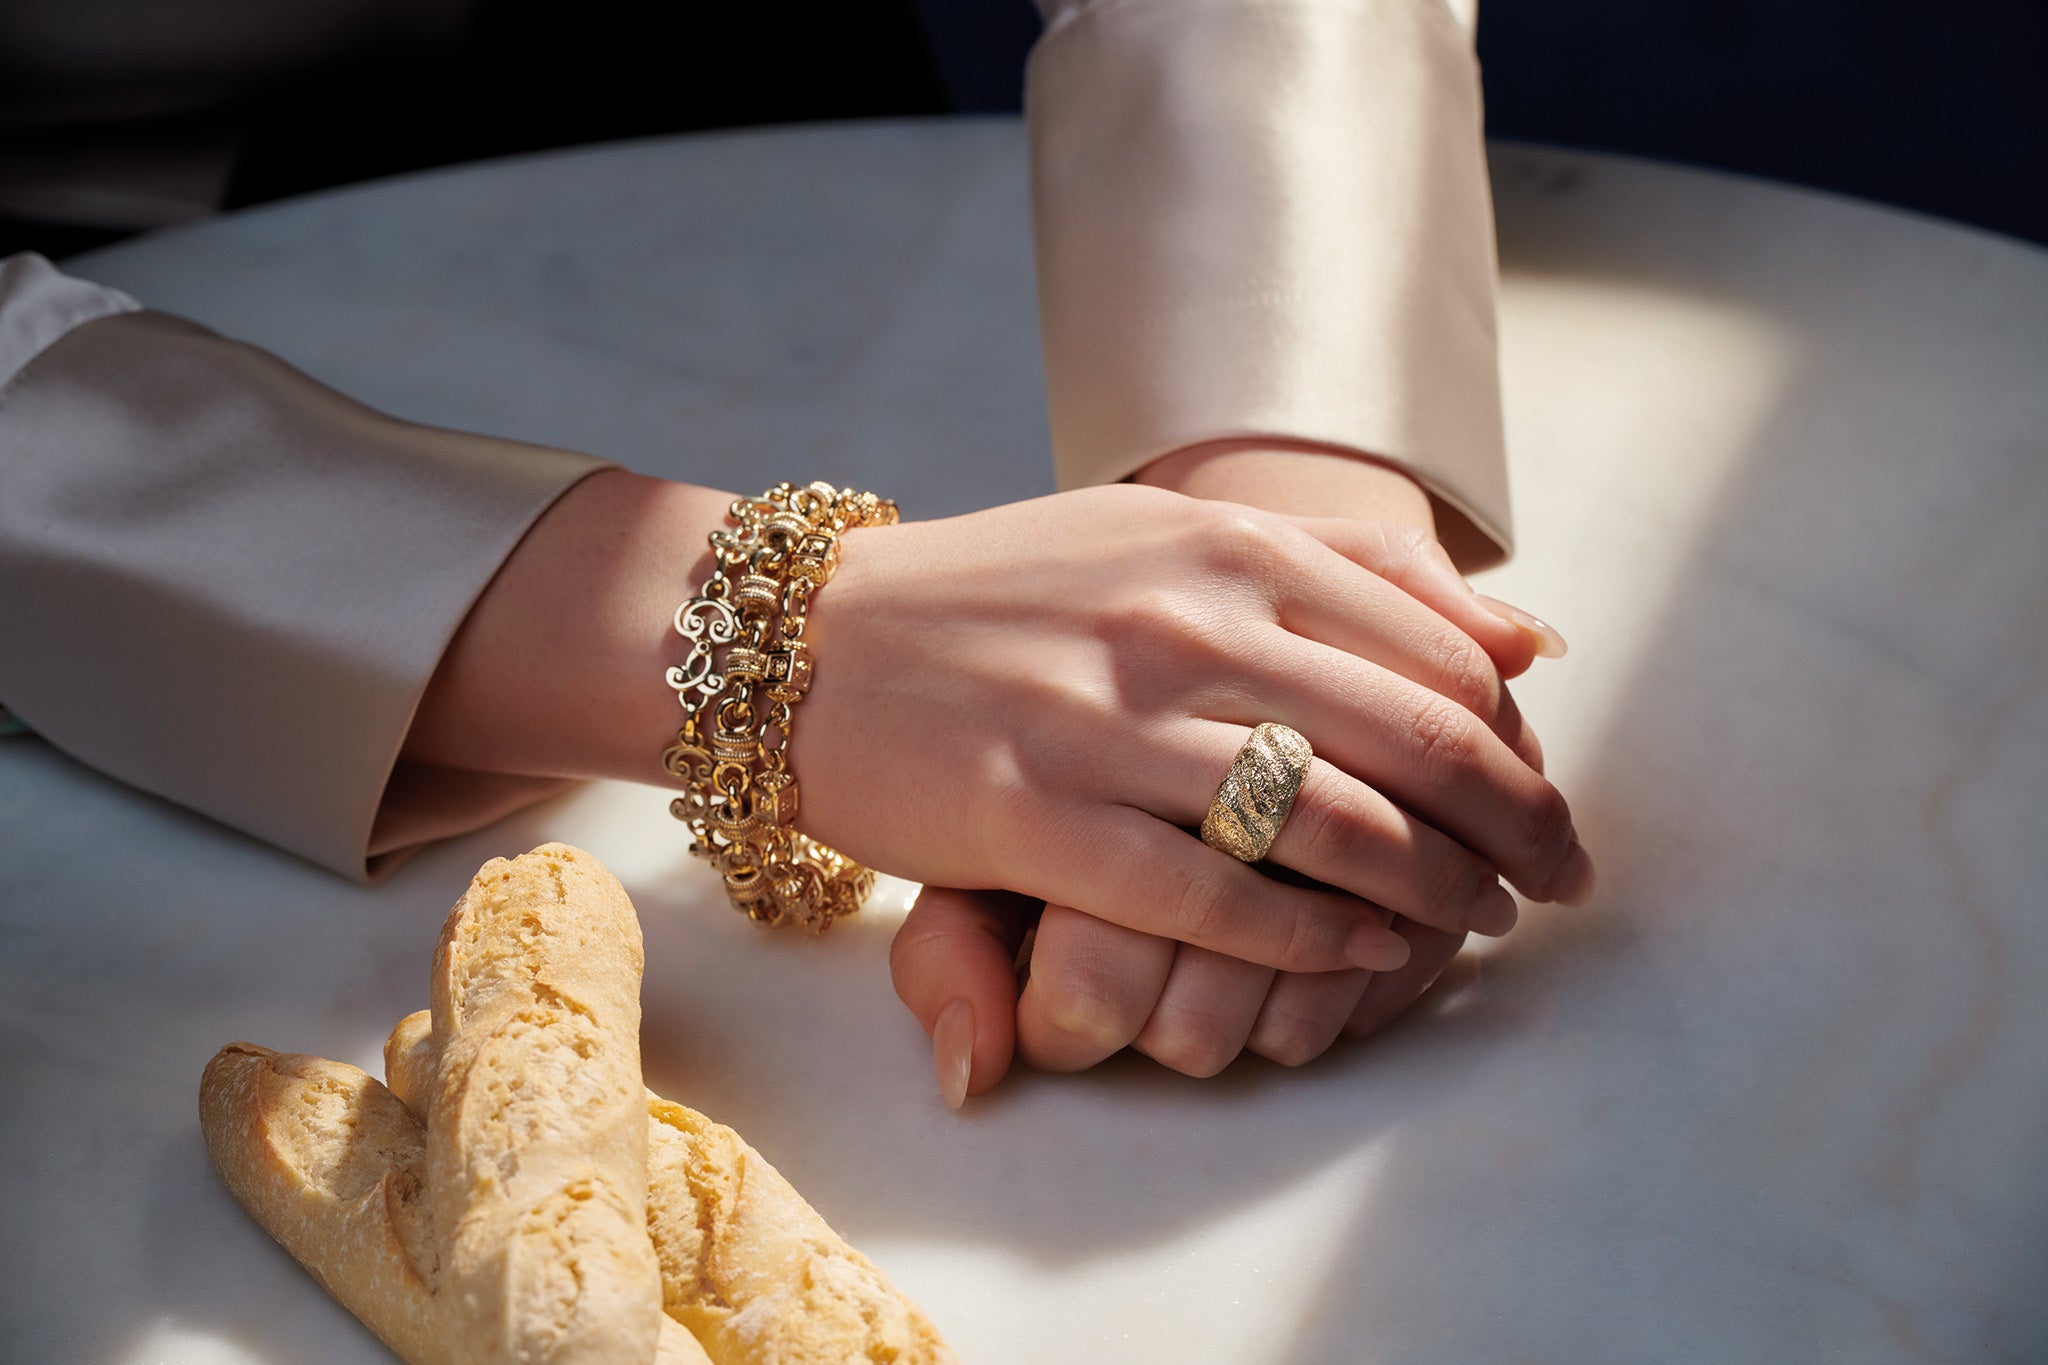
1257	793
739	797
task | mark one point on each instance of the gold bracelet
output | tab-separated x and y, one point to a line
739	796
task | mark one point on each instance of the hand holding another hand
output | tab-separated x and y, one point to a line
1087	666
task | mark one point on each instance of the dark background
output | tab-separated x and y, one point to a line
1935	108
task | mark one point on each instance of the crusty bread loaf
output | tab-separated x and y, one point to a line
746	1264
518	1222
332	1165
329	1163
537	1121
753	1271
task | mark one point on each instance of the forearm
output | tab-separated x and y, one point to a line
557	671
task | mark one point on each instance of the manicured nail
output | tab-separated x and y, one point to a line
953	1051
1373	948
1494	913
1574	881
1549	644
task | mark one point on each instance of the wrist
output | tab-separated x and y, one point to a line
1294	478
558	669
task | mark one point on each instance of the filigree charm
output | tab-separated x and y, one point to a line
709	622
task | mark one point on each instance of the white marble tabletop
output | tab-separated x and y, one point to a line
1779	1096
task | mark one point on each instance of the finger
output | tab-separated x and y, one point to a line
1515	730
1413	560
1389	993
1092	987
1128	867
952	964
1304	1013
1376	619
1340	832
1417	747
1205	1013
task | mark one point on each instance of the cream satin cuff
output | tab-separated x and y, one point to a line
1267	218
228	584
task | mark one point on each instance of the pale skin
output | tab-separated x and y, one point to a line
1028	708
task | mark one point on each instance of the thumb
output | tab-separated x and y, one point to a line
1412	560
953	965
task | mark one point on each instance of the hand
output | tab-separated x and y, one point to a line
1040	697
1096	987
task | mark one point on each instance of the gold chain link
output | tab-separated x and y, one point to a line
739	797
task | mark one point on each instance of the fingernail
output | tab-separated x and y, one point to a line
1372	947
953	1051
1549	644
1574	880
1494	913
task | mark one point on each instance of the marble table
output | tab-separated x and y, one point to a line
1778	1096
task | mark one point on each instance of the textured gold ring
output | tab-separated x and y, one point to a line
1257	793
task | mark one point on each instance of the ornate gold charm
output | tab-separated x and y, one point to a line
739	798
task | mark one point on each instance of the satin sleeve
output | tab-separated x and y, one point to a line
1267	218
227	584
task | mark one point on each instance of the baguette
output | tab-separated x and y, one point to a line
330	1164
536	1128
746	1264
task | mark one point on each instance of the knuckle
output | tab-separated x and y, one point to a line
1242	542
1314	941
1549	830
1082	1003
1445	745
1334	832
1292	1039
1453	885
1202	909
1465	674
1190	1050
1514	727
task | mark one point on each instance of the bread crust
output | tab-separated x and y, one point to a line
536	1128
747	1265
332	1165
753	1271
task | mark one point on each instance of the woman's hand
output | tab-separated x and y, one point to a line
1041	697
951	962
1096	987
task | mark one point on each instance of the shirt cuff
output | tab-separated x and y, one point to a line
229	585
1267	218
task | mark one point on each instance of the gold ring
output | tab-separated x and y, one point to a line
1257	793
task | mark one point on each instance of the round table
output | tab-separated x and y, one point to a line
1777	1096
